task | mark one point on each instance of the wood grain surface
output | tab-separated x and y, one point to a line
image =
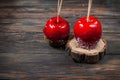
25	55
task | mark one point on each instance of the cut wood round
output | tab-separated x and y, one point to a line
58	43
81	55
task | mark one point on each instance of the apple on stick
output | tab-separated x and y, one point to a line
87	45
88	33
57	29
88	30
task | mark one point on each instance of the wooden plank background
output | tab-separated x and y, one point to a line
25	55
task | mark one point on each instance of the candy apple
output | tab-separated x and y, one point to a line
57	31
87	33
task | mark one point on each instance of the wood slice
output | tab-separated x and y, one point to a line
81	55
57	44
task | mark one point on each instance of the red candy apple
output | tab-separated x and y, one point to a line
88	33
56	30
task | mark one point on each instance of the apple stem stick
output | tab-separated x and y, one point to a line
59	9
89	7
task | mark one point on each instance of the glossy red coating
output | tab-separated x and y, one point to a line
88	32
54	30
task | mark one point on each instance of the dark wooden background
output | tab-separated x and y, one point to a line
25	55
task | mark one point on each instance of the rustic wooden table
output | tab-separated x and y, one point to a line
25	55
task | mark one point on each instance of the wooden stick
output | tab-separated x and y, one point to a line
59	9
89	8
58	5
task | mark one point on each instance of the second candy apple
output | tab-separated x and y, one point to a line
87	33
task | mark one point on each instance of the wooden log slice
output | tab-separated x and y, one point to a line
81	55
58	43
